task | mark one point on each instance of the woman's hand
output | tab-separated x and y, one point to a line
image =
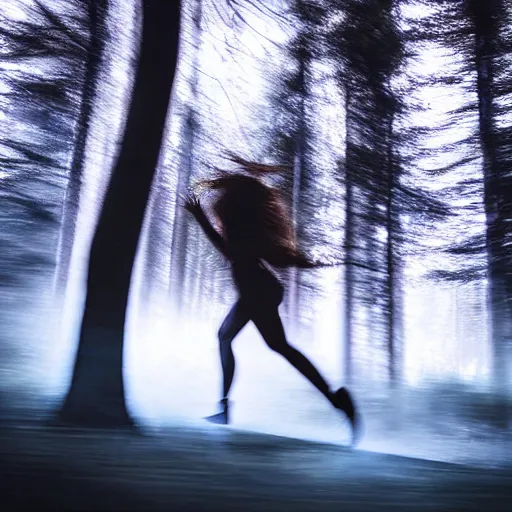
193	205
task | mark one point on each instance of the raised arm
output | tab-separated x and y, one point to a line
193	205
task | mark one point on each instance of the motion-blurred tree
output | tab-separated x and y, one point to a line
96	394
39	55
292	134
487	21
40	52
187	155
96	11
369	45
480	34
166	263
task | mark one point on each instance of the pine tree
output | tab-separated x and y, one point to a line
292	135
39	109
486	20
478	33
369	46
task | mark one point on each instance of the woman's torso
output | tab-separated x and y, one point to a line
255	281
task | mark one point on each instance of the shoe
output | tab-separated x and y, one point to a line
343	401
221	418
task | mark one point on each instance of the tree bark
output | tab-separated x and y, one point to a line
96	395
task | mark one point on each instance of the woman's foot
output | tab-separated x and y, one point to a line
343	401
221	418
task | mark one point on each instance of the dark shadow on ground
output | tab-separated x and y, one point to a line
214	468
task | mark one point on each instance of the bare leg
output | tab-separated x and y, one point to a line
269	324
236	320
271	328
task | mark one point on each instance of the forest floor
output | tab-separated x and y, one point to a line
218	468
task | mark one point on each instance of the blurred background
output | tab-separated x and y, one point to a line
394	119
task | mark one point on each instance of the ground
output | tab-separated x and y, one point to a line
218	468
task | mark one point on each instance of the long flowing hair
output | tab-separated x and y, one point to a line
253	217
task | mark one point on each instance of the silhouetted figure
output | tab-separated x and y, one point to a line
255	233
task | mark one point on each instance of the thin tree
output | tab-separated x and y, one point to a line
487	18
388	56
291	133
44	106
181	226
478	32
350	46
96	17
369	46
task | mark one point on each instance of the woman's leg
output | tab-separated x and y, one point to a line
269	325
236	320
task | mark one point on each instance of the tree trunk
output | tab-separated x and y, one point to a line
181	222
372	285
156	261
96	10
391	280
96	396
299	163
485	36
349	247
293	273
349	276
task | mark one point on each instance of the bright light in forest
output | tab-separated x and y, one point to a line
171	361
172	364
230	88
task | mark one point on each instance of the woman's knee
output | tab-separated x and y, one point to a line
224	335
279	346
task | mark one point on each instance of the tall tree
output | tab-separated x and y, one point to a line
181	225
39	54
349	243
96	395
369	45
96	17
387	55
165	264
291	133
302	55
39	109
487	19
479	33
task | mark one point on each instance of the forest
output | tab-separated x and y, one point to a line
394	120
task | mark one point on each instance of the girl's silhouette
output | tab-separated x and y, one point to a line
255	232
